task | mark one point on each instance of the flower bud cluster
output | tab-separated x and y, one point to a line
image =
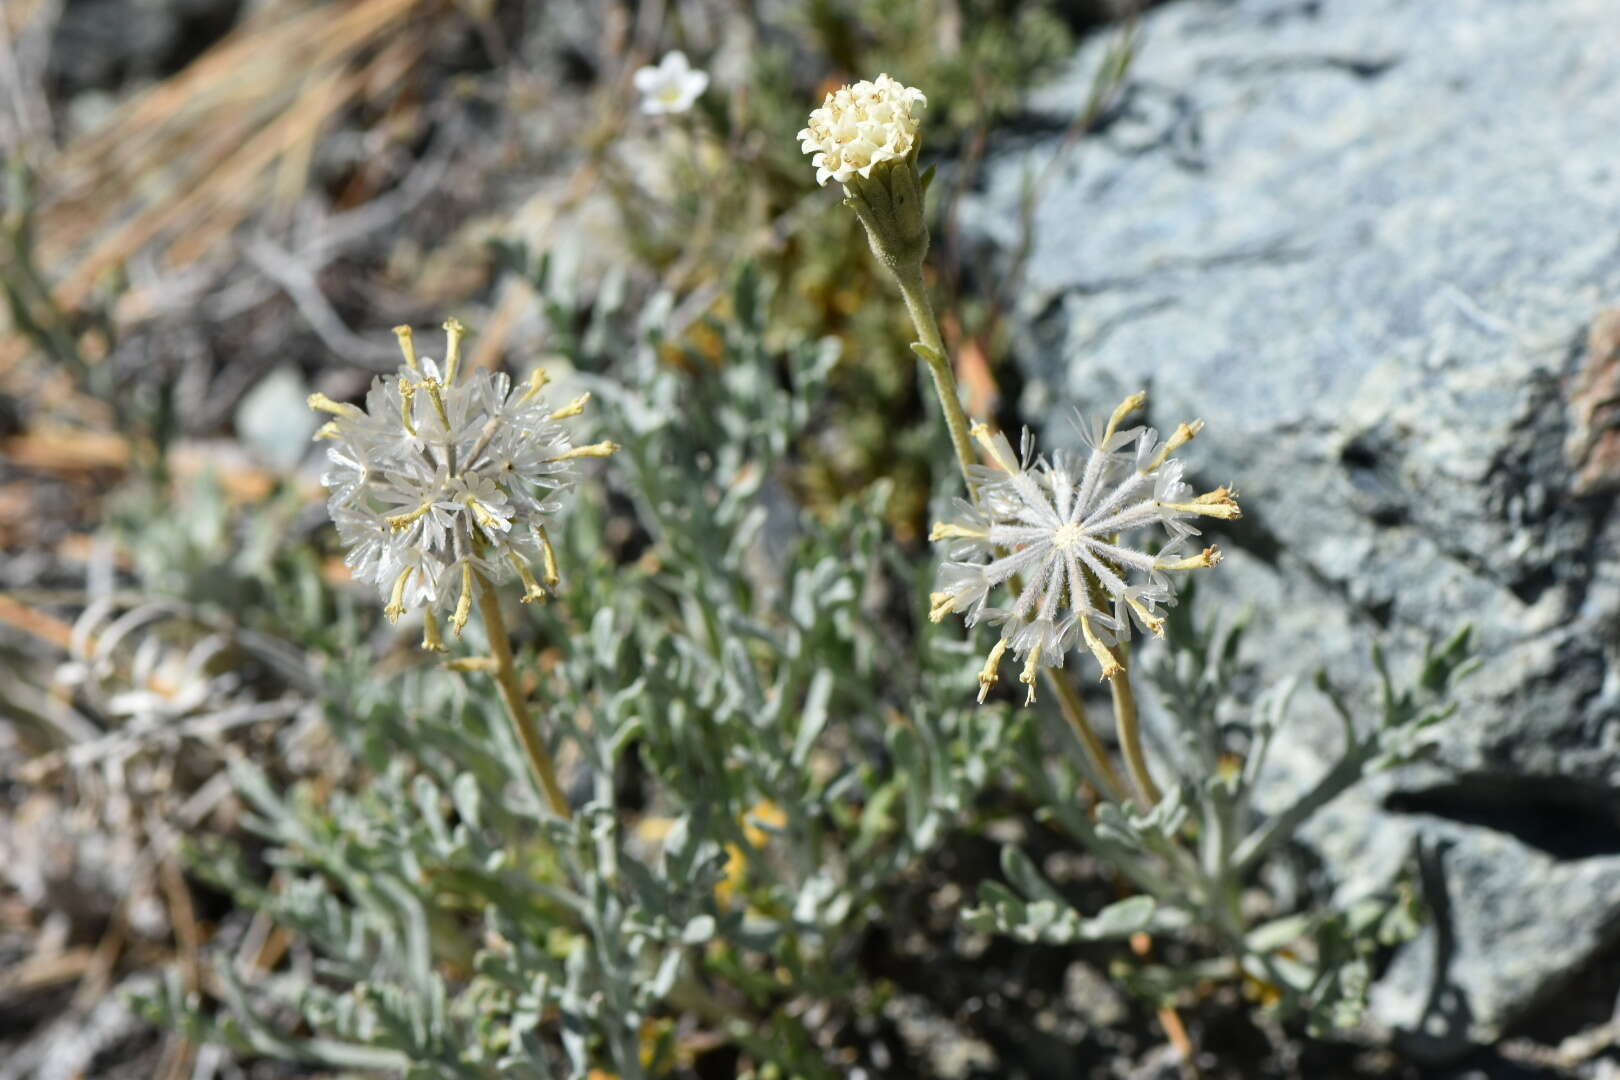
442	480
862	125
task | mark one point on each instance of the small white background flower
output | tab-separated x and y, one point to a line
672	86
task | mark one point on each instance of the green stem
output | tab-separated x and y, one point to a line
933	352
1104	776
1283	826
500	647
1130	734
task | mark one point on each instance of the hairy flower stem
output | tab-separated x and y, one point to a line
500	647
932	351
1129	729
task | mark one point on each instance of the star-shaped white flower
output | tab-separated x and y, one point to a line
670	87
1052	531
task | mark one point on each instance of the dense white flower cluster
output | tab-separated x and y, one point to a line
673	86
439	481
1051	531
860	126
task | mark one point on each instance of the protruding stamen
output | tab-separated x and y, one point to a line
538	378
431	641
1219	503
328	430
945	530
1110	666
489	521
940	604
396	599
601	449
1149	620
993	447
454	332
407	345
1031	672
409	517
531	588
407	405
322	403
473	663
436	395
573	408
463	612
548	554
1210	556
990	674
1126	407
1178	438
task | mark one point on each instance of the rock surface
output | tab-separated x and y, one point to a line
1367	240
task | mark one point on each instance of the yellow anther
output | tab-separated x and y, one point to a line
407	345
940	604
1149	620
407	404
436	395
990	673
431	641
409	517
945	530
601	449
1210	556
396	599
458	618
322	403
1220	496
531	588
453	332
328	430
482	515
573	408
1126	407
1179	438
1031	672
993	447
537	382
1110	666
1220	503
548	554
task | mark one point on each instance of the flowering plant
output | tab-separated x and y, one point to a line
751	729
672	86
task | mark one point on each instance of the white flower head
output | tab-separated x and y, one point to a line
862	125
1053	533
440	481
673	86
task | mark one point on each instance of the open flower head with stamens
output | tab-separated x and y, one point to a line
1055	534
863	125
446	476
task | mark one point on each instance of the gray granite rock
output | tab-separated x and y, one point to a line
1365	240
